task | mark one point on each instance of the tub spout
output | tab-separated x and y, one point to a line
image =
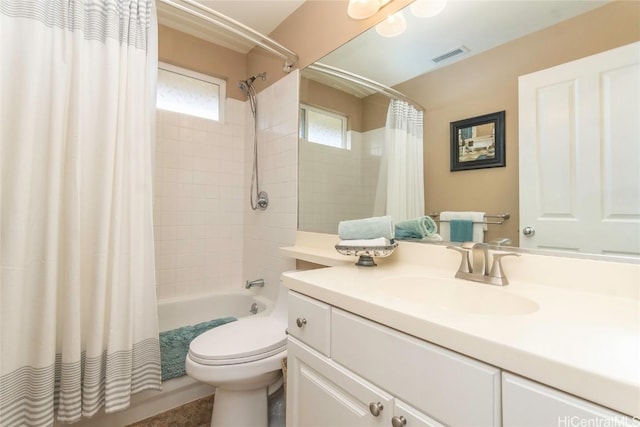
254	283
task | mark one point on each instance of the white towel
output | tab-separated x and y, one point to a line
366	243
478	218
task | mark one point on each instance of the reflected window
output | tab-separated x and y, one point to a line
188	92
323	127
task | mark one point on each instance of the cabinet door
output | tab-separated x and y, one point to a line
320	393
529	404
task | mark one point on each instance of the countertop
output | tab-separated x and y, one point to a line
584	343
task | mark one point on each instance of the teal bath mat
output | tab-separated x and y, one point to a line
174	345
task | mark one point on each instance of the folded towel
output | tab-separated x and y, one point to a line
174	346
461	230
417	228
366	243
367	228
478	219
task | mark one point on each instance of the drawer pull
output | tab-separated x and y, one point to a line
375	408
301	321
398	421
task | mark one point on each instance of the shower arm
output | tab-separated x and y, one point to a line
238	28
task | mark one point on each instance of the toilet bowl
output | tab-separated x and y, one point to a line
243	361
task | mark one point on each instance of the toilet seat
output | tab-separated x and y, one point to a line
261	337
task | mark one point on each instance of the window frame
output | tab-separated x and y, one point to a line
221	83
304	125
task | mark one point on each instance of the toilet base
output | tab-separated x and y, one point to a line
240	408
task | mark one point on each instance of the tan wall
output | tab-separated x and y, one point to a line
319	95
182	50
488	83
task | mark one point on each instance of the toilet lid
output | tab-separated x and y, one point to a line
245	340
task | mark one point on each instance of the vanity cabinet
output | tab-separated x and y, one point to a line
371	375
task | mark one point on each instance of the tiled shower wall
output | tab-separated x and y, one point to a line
207	238
266	231
339	184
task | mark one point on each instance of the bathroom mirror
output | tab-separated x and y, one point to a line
517	39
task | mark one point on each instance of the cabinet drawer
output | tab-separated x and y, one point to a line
529	404
310	321
411	416
453	389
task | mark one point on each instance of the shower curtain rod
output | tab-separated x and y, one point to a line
363	81
237	28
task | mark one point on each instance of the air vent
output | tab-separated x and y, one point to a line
455	52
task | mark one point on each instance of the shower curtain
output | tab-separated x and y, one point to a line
78	307
401	182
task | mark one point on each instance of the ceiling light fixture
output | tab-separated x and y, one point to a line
393	26
363	9
427	8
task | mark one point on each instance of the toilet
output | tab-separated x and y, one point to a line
243	361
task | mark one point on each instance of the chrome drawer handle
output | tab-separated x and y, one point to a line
375	408
398	421
301	321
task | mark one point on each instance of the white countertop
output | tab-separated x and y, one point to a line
584	343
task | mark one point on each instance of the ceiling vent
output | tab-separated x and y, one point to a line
455	52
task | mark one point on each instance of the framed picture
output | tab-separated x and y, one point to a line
478	142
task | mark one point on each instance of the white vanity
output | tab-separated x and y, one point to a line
405	343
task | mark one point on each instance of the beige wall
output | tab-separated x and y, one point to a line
323	96
183	50
488	83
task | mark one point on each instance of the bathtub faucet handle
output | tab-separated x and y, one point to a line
254	283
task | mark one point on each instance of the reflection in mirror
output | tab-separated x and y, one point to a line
346	173
500	41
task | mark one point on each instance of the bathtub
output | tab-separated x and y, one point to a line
173	313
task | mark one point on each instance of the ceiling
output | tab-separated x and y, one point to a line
473	25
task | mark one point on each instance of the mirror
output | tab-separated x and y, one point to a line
499	41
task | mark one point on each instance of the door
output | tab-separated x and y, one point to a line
580	155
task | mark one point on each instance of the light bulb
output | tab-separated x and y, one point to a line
362	9
393	26
427	8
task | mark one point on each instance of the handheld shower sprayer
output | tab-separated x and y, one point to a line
259	200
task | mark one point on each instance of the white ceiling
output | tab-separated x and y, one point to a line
477	25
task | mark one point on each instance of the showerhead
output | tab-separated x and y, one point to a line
253	78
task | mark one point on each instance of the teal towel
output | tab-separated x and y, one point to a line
461	230
174	345
367	228
418	228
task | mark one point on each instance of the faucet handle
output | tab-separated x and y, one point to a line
465	265
496	267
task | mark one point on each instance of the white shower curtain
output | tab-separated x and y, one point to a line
401	182
78	321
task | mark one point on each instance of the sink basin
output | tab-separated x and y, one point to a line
456	295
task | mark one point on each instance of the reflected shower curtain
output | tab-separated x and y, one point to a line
78	308
401	178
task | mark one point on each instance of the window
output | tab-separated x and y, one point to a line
187	92
323	127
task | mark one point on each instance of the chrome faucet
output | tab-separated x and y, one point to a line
477	268
258	283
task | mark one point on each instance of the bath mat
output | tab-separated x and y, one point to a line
174	345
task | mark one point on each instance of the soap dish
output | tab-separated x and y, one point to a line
366	253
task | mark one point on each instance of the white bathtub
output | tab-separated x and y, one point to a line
173	313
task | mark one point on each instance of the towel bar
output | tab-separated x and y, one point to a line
501	218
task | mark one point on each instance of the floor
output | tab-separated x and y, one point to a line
193	414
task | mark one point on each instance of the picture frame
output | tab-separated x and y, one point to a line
478	142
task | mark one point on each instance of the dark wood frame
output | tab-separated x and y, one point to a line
498	159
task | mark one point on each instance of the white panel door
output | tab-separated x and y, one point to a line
580	155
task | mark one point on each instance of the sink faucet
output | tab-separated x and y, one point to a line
477	269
